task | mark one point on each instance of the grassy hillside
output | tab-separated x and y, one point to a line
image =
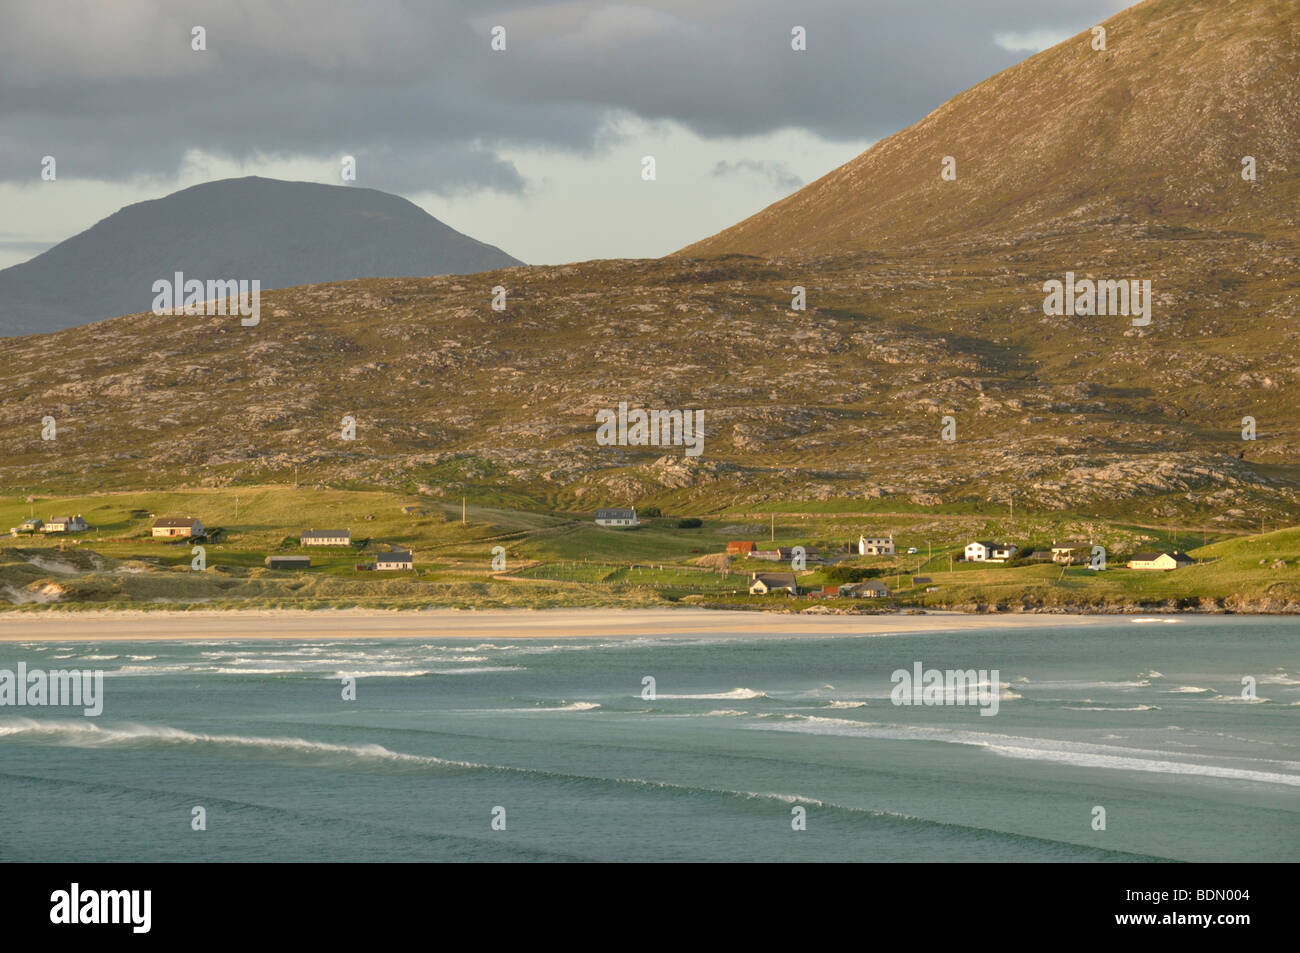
1077	160
1149	132
843	401
561	558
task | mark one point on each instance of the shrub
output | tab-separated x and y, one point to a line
690	522
651	511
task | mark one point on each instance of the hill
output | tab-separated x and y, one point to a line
1150	132
842	402
282	233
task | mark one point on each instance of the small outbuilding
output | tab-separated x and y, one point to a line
288	562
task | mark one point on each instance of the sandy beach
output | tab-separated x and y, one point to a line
503	623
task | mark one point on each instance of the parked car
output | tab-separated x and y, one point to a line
911	550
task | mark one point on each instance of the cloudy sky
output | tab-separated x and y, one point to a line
536	149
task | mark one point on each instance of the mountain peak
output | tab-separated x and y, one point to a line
1155	127
279	232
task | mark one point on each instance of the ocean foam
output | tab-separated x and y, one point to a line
1130	708
1080	754
735	693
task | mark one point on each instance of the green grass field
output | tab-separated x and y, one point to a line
564	559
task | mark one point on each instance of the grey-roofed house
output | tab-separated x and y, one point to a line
326	537
983	551
867	589
178	526
396	559
65	524
764	582
617	516
1160	560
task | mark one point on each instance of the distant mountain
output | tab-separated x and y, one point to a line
1077	141
282	233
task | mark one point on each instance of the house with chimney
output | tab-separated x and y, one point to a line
763	583
395	560
867	589
876	545
1161	561
326	537
65	524
617	516
178	526
982	551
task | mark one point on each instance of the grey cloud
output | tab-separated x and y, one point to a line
775	172
413	89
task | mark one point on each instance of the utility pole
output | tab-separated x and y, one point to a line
236	509
774	527
462	511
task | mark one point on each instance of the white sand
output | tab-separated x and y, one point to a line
496	623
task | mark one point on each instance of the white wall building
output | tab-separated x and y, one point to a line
986	552
876	545
617	516
326	537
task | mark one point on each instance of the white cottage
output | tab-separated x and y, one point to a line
876	545
617	516
986	552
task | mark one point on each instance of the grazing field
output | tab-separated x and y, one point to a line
500	556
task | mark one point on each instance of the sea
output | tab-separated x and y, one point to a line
1172	738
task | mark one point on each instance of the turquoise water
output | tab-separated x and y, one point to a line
1145	720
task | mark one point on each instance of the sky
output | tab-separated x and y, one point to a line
537	148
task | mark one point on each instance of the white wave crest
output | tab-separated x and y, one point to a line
735	693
